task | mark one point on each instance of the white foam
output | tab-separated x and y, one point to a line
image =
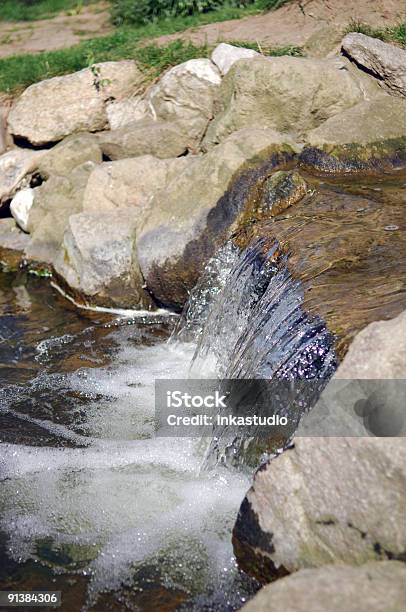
126	498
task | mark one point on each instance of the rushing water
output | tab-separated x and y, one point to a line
88	493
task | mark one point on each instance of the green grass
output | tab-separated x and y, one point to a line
18	72
30	10
274	51
395	34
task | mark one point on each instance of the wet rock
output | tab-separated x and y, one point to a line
73	151
127	111
281	190
15	166
372	587
225	56
385	61
54	202
50	110
329	500
186	93
197	210
130	182
370	137
97	262
288	94
158	138
21	205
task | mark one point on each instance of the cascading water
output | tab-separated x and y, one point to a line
105	500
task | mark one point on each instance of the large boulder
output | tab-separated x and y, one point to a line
54	202
15	166
130	182
385	61
225	56
186	93
52	109
366	395
371	136
289	94
161	139
196	212
373	587
97	262
325	500
73	151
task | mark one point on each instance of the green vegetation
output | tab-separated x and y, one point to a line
29	10
18	72
396	34
130	12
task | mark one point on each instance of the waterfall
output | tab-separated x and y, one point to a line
246	315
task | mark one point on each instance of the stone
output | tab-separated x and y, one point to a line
186	93
48	111
6	141
385	61
288	94
15	166
366	394
324	41
130	182
11	237
127	111
158	138
73	151
54	202
281	190
225	56
371	136
21	205
189	220
12	244
373	587
325	500
97	262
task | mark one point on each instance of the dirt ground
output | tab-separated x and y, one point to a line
56	33
316	24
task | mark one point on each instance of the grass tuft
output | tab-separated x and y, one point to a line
395	34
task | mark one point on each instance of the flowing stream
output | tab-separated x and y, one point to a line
92	503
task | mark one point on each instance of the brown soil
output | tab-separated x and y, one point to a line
61	31
318	23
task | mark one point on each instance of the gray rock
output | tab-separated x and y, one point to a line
196	212
127	111
52	109
374	587
326	500
54	202
186	94
15	166
288	94
158	138
371	136
385	61
225	56
11	237
73	151
130	182
97	262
